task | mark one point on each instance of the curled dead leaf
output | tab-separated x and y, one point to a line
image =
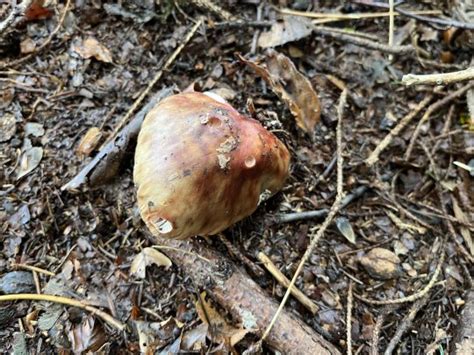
291	86
90	47
147	257
87	336
219	330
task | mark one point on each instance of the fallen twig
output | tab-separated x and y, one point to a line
106	163
241	24
350	16
44	44
299	216
64	300
417	16
283	280
439	79
374	346
349	319
246	302
438	21
215	9
327	31
331	214
391	24
374	156
434	108
405	324
33	268
17	11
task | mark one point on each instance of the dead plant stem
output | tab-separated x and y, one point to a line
64	300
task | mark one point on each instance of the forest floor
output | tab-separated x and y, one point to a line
406	236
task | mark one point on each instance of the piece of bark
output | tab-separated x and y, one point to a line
247	303
104	166
464	339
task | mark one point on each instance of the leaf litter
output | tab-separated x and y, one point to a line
93	236
291	86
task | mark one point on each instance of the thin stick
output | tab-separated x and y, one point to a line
413	14
64	300
439	79
283	280
332	213
17	10
415	296
374	347
405	324
44	44
391	25
434	108
155	79
182	251
362	42
349	319
215	9
299	216
353	16
374	156
33	268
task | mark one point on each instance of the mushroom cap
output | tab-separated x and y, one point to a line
200	166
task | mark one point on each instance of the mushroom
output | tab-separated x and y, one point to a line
201	166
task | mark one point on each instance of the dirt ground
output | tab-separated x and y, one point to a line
71	66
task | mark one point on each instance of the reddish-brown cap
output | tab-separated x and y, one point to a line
200	166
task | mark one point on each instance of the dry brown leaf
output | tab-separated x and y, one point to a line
466	234
89	141
90	47
87	336
218	329
291	86
291	28
147	257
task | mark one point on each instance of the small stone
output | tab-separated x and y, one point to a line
381	264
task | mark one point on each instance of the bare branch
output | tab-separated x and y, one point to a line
439	79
